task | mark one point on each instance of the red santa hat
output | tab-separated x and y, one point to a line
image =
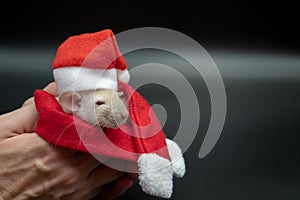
93	61
89	61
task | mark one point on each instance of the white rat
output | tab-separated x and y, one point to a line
102	107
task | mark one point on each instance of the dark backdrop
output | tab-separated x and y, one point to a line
255	44
211	22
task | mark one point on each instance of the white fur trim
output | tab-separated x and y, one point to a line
155	175
82	78
175	153
123	75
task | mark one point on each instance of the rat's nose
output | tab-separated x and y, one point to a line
124	116
120	117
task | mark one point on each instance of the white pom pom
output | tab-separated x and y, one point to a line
155	175
123	75
175	153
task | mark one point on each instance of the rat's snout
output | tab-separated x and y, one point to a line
124	116
120	116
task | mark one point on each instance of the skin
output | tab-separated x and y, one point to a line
102	107
31	168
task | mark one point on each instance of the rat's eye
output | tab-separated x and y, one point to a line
99	103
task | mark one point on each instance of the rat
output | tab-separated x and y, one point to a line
101	107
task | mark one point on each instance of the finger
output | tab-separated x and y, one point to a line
29	142
93	193
133	176
20	120
51	88
89	162
103	175
116	189
28	102
24	119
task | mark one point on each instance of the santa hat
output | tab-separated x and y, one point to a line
92	61
89	61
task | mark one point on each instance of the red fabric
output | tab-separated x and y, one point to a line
69	131
92	50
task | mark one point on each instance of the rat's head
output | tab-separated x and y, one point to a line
101	107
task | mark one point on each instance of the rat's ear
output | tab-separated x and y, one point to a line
70	101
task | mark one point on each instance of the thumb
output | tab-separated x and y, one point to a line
50	88
23	120
19	121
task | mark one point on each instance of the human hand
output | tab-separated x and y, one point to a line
31	168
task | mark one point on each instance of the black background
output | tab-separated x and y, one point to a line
263	23
257	155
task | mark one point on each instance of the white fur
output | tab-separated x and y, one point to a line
155	175
123	75
175	153
82	78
